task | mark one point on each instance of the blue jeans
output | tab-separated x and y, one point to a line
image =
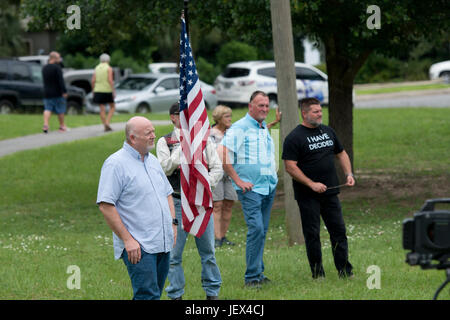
56	105
256	209
148	275
211	279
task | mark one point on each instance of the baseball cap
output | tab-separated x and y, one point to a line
174	109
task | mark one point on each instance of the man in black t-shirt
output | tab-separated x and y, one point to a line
308	153
55	93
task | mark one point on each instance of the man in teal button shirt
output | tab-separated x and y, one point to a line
248	156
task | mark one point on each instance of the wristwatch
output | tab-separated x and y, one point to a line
175	221
350	174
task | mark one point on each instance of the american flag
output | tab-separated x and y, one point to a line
196	197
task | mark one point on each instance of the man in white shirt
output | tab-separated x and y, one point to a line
168	150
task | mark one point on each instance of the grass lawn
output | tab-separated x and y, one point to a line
17	125
49	220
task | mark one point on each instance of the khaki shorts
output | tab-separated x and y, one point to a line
224	190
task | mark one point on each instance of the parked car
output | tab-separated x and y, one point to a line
240	79
80	78
150	92
440	70
41	60
21	86
163	67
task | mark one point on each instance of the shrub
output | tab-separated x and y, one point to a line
207	72
235	51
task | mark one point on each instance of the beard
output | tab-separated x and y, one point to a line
314	122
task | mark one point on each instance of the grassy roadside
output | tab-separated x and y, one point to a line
49	220
17	125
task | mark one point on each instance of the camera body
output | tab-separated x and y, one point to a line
427	235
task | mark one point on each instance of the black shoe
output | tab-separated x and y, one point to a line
228	242
212	298
346	275
320	275
254	284
265	280
218	243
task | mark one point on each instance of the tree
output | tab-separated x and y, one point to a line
341	25
11	43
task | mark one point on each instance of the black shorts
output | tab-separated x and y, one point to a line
103	97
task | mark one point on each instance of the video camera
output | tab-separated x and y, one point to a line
427	235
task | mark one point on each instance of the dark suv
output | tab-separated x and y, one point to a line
21	87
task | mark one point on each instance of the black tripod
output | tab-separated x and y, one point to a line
443	265
447	271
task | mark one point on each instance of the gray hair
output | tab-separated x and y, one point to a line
129	130
104	57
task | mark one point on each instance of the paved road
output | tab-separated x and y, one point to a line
54	137
424	98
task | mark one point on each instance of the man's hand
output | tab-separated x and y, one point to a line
245	186
318	187
350	180
133	250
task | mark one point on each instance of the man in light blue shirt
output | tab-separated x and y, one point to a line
248	156
135	198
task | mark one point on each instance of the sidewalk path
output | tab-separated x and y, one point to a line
54	137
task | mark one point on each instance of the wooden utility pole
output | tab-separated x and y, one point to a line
283	45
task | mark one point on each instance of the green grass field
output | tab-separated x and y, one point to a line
49	219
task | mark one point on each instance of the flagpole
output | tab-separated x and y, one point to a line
186	15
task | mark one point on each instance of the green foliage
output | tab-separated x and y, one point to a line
11	42
235	51
118	59
207	72
78	61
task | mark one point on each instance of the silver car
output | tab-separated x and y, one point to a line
149	92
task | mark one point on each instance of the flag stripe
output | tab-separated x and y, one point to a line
196	197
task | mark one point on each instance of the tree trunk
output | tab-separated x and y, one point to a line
341	71
287	100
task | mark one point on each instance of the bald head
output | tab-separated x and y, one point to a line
54	57
140	134
133	125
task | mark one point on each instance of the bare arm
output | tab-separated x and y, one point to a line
222	151
344	161
93	82
115	223
111	80
172	213
277	118
297	174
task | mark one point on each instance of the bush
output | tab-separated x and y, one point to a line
118	59
235	51
207	72
78	61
